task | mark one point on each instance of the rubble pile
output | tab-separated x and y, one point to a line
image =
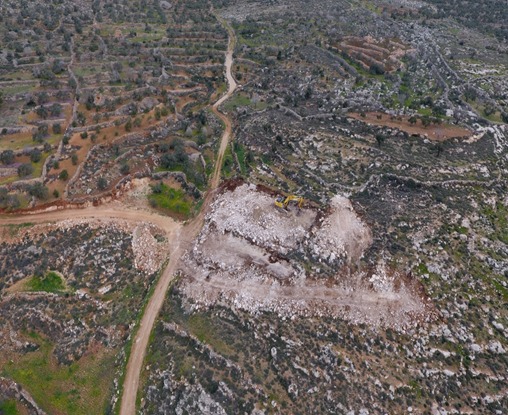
342	234
148	253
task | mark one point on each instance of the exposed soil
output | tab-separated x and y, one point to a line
367	51
245	258
439	132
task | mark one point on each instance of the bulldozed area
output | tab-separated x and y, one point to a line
255	257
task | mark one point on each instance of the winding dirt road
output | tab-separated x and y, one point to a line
215	108
178	245
179	236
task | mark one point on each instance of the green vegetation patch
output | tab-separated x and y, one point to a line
240	100
81	388
228	163
498	217
8	407
170	199
241	156
51	283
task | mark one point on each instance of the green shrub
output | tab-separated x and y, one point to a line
167	198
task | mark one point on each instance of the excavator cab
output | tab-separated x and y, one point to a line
279	202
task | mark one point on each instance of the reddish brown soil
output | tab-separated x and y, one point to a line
434	132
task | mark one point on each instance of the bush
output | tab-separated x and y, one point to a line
35	156
57	129
64	175
124	169
7	157
39	191
128	126
25	170
376	69
102	183
40	134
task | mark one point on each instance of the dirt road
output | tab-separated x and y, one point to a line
215	108
180	243
109	211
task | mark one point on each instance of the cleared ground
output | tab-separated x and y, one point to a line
435	132
253	256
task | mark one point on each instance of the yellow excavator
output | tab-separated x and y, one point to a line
284	201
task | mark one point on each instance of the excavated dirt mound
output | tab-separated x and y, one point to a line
255	257
342	233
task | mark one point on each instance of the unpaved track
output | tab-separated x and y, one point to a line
110	211
215	108
180	238
179	244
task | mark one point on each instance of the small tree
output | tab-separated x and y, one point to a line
35	156
25	169
57	128
55	110
40	134
102	183
38	190
7	157
42	112
124	169
64	175
380	138
376	69
74	159
128	125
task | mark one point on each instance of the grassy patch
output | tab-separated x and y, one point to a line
81	388
169	199
228	162
240	154
18	89
51	283
501	289
8	407
240	100
237	100
498	217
